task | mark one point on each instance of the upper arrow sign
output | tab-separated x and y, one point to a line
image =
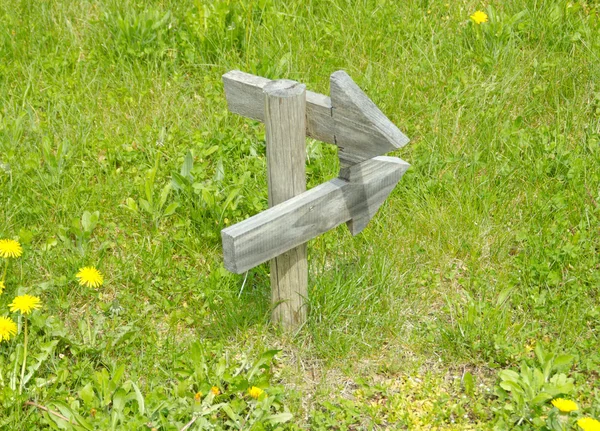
349	119
272	232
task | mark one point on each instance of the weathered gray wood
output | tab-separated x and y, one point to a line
348	119
285	120
244	93
319	124
297	220
362	131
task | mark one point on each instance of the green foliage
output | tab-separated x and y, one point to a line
117	150
401	402
212	190
215	28
23	354
528	391
138	35
207	390
81	230
54	161
336	416
151	204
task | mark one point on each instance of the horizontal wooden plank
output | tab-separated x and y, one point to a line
349	119
244	93
297	220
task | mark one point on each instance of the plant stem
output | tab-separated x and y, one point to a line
5	268
46	409
189	424
24	353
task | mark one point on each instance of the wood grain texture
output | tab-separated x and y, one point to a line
349	119
362	131
244	93
285	120
316	211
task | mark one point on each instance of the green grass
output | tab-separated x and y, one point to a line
488	245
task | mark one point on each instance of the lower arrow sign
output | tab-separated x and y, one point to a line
354	199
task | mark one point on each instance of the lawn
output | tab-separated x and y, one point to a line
470	302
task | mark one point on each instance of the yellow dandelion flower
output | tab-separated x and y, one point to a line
2	286
8	328
198	396
564	406
25	304
479	17
255	392
90	276
215	390
10	248
589	424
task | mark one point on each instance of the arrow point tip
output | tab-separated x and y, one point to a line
340	74
359	123
357	225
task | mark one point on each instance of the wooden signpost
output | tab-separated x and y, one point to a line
350	120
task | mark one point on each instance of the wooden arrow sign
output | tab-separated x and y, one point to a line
297	220
349	119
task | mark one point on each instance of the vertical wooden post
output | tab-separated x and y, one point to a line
285	120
